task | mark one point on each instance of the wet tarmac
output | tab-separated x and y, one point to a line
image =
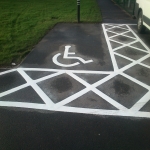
27	129
83	86
86	41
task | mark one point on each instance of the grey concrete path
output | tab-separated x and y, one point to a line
112	13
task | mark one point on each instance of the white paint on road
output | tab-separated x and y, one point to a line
67	56
60	106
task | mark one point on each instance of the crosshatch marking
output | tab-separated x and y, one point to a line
119	31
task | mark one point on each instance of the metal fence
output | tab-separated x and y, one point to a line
128	5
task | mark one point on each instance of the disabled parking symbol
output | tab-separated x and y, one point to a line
66	56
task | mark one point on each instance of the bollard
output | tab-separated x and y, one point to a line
78	11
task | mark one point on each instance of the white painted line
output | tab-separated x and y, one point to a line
117	34
122	34
79	79
112	27
137	106
89	72
124	56
139	49
104	112
43	96
77	110
99	93
63	65
119	48
74	71
71	98
8	71
49	76
110	49
128	44
40	69
129	66
139	38
123	45
13	90
119	24
136	81
76	95
109	99
129	37
121	27
67	53
90	111
123	111
136	61
23	105
67	56
144	65
91	86
104	79
109	25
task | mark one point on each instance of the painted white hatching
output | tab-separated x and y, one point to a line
61	106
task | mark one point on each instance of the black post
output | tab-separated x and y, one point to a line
78	10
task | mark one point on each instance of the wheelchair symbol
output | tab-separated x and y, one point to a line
66	56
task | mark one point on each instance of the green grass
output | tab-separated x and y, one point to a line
24	22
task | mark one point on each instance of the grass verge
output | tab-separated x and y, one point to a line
24	22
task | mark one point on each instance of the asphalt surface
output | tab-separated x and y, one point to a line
85	41
112	13
100	102
27	129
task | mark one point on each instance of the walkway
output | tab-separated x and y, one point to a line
112	13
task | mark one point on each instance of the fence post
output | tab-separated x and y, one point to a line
78	10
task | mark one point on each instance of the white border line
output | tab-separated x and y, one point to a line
110	49
74	71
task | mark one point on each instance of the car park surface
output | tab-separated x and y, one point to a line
101	101
115	72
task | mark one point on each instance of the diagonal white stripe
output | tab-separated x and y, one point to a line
137	106
8	71
43	96
99	93
13	90
138	38
110	49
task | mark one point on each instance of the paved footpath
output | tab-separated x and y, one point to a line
84	86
